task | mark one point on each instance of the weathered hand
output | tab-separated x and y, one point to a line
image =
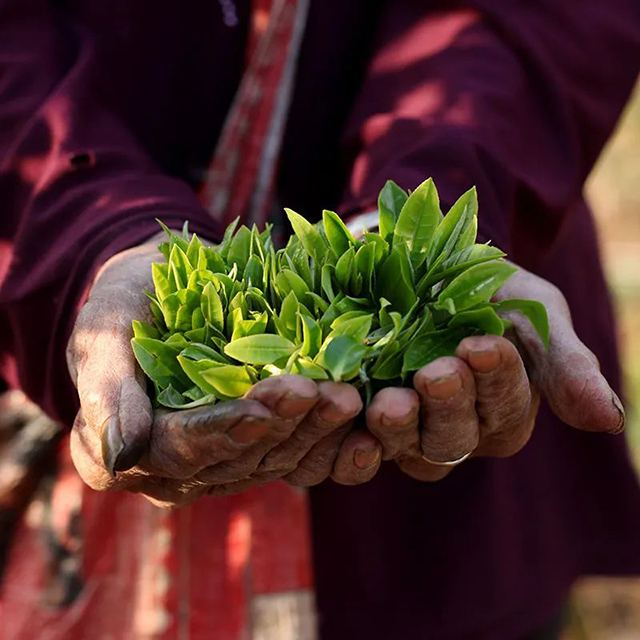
484	400
286	426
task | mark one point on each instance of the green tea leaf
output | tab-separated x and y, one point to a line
447	237
343	357
170	307
179	267
338	235
214	261
223	249
381	247
483	318
312	337
260	350
203	352
394	282
308	235
193	250
253	271
288	317
197	335
212	307
174	239
288	282
197	319
229	381
144	330
308	369
300	261
240	248
365	261
390	202
475	285
320	305
161	282
158	316
195	369
356	328
183	318
172	399
418	220
159	361
429	347
327	281
234	317
532	309
245	328
344	269
389	363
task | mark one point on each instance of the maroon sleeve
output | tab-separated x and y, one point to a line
75	188
514	96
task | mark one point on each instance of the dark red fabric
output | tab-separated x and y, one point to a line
517	97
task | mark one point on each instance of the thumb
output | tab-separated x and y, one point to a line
115	406
568	373
576	390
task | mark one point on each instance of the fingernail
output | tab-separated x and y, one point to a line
618	405
398	421
484	360
249	430
292	406
365	459
330	413
112	445
445	387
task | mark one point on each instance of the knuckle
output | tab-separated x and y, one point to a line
504	405
169	462
554	293
281	460
452	442
268	475
312	431
224	473
312	470
281	430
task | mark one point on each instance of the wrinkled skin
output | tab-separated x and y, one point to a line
482	402
286	427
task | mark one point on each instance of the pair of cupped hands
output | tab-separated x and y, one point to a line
481	402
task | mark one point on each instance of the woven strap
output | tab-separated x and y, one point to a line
240	178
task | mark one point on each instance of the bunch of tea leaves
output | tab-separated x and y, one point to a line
369	311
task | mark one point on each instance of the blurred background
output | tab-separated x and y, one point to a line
608	608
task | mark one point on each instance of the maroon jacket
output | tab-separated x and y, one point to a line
109	112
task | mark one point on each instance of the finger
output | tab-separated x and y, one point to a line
358	460
112	391
183	443
449	420
568	374
503	394
393	417
317	465
289	398
337	404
